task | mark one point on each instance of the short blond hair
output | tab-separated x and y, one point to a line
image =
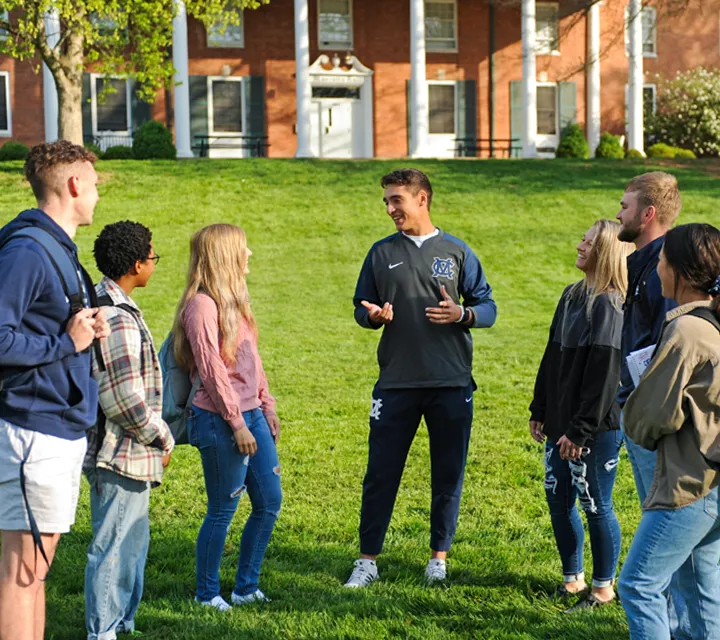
660	190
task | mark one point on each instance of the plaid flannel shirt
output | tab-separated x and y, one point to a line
130	395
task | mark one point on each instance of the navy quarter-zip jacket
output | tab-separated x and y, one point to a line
413	352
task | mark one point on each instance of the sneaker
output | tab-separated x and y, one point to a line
587	603
216	603
363	574
255	596
436	571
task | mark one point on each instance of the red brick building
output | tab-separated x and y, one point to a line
355	60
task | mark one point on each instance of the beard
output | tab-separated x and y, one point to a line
630	232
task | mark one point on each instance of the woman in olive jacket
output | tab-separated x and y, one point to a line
675	410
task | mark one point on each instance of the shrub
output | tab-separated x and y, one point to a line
687	111
95	149
661	150
573	143
685	154
153	140
609	147
634	154
118	152
12	150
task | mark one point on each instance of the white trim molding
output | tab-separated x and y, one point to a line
94	77
8	105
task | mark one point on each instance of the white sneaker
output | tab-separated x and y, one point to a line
363	574
216	603
255	596
436	571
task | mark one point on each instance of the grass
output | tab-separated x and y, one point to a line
310	224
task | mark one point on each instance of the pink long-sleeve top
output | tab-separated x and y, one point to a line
226	389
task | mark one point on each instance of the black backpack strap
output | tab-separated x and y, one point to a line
67	269
706	314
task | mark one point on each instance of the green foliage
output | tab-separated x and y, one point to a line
573	143
12	150
662	150
609	147
309	234
688	112
119	152
634	154
153	140
90	146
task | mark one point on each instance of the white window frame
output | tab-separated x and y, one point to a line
646	85
221	41
94	104
334	46
428	43
5	15
646	54
455	105
211	106
544	49
7	133
556	85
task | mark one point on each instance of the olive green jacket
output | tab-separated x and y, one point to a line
675	410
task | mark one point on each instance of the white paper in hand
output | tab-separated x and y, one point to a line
638	361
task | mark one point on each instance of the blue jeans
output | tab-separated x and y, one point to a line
589	479
682	585
665	540
116	558
228	475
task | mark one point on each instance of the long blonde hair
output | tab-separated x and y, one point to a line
609	256
218	255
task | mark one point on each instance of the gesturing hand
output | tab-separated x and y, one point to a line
536	431
448	311
379	315
568	449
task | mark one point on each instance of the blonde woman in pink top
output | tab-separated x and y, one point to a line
233	422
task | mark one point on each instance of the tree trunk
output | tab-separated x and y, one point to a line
70	124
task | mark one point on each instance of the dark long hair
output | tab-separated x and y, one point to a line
693	252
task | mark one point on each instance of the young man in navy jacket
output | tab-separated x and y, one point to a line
47	398
411	284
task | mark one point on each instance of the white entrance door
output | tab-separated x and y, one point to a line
442	119
331	129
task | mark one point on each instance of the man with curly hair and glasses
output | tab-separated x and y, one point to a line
131	444
48	400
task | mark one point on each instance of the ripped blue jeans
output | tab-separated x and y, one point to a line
228	476
590	480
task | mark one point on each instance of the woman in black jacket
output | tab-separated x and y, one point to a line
574	412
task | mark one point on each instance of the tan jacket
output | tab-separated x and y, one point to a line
676	410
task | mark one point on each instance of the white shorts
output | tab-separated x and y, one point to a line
53	467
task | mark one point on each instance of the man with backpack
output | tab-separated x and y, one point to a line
131	443
649	208
48	399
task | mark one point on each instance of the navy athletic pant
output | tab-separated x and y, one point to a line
394	419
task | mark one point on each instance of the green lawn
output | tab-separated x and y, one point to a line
310	224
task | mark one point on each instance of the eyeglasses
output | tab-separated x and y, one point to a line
155	258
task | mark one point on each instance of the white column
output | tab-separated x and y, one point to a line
529	81
302	78
50	96
593	77
635	79
182	82
420	125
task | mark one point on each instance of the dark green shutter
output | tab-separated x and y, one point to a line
408	92
86	109
198	109
516	116
255	103
140	110
467	112
567	104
